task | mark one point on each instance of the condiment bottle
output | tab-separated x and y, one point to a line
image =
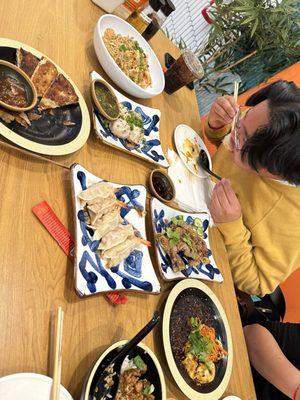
158	19
146	15
138	19
129	6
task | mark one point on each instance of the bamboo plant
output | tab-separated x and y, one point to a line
250	37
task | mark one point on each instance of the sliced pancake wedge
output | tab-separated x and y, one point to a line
60	93
43	76
26	61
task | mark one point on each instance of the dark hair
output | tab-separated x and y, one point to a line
276	146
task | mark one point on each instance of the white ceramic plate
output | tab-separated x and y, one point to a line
28	386
139	350
161	212
213	315
182	134
136	272
150	149
231	398
114	71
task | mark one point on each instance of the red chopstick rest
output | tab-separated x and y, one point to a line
64	239
55	227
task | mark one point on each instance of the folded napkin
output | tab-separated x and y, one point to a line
193	194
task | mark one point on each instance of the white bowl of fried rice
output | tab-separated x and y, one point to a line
127	58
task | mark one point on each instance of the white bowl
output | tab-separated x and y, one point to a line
114	71
28	386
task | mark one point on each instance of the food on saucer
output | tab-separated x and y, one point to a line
181	240
26	61
10	116
60	93
132	385
191	152
202	351
129	56
32	116
43	76
53	88
117	238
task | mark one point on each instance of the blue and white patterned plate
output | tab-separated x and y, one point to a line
160	213
150	149
136	272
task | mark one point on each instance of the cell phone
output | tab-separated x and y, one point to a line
169	60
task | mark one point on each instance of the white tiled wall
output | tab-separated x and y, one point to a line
187	23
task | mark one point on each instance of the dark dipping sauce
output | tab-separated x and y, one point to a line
162	186
107	100
12	92
194	302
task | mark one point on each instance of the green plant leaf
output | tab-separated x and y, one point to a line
247	20
254	28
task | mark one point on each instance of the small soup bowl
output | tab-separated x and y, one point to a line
12	71
110	111
161	185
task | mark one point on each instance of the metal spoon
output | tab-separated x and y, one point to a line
101	389
204	163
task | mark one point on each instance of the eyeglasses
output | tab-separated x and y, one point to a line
241	113
235	128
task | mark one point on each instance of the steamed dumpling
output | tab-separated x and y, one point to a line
136	135
120	128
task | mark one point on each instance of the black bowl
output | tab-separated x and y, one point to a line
49	129
190	303
154	373
192	298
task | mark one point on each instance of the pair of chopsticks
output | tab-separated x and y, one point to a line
55	390
28	153
235	95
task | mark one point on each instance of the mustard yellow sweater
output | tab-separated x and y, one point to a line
263	246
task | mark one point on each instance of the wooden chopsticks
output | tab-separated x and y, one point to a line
235	95
55	390
28	153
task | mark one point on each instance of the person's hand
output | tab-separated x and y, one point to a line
222	112
224	206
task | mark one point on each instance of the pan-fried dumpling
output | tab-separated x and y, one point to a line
118	253
115	237
107	223
97	210
96	192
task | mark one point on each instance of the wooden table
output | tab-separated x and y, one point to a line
36	276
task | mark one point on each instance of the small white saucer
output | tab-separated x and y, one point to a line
183	134
28	386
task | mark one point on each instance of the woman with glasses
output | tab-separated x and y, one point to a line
256	206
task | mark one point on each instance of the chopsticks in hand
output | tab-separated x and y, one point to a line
55	390
235	95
